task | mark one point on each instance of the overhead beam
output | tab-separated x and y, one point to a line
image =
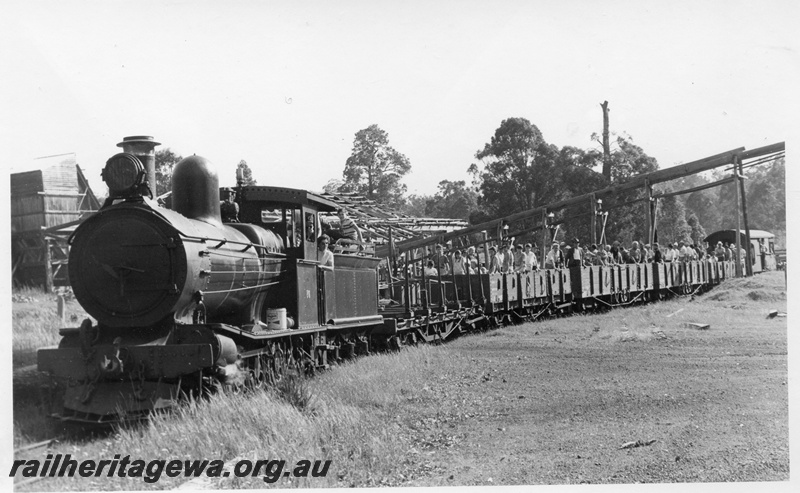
639	181
761	151
723	181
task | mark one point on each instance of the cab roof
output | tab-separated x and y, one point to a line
286	196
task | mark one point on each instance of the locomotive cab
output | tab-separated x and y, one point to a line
346	295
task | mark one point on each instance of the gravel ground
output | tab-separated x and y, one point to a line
629	396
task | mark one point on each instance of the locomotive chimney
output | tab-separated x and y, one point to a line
143	147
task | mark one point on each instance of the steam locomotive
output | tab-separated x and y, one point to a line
185	303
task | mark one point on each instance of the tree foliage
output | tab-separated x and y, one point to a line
415	205
522	171
698	233
246	172
454	200
766	194
518	169
165	160
375	168
333	186
629	160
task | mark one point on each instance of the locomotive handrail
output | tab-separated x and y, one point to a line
247	245
243	289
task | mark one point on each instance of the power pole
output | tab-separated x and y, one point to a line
606	144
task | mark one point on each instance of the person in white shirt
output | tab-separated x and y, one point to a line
669	253
531	263
324	256
683	252
430	270
458	263
554	258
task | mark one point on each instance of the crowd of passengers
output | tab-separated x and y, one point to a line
523	258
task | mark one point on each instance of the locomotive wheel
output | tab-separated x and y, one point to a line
281	364
395	343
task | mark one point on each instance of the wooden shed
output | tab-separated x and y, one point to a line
46	204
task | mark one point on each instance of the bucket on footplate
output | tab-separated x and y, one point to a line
276	318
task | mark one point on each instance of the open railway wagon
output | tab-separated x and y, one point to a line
435	307
182	303
431	308
762	246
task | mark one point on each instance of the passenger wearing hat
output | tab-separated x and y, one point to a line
719	252
228	209
575	254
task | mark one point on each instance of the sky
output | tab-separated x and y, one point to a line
286	85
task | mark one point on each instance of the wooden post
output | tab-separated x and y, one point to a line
655	219
593	200
407	275
748	255
545	239
737	261
48	267
392	264
469	281
649	210
485	251
453	277
425	285
62	310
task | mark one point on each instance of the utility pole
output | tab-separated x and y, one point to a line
736	179
606	143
